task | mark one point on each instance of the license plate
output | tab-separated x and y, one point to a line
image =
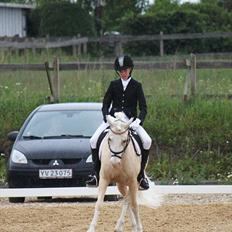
55	173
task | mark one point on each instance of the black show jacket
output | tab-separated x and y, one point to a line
125	101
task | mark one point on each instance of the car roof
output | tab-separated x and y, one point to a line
71	106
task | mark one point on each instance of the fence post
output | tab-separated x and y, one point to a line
56	79
193	74
74	50
161	44
85	47
186	85
190	81
118	48
46	40
79	49
47	68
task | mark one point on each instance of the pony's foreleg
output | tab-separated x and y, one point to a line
134	207
125	205
101	193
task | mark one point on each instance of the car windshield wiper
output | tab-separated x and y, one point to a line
32	137
65	136
74	136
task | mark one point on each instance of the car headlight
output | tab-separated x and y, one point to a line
89	159
18	157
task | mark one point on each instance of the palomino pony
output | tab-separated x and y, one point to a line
120	164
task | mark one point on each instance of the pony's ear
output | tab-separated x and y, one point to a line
110	119
129	122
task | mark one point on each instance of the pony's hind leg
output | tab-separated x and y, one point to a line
120	223
125	205
101	193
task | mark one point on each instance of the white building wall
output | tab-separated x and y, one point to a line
12	22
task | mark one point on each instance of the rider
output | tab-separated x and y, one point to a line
123	94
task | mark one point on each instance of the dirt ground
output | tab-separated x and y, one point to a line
178	213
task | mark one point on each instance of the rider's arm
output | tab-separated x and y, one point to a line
107	102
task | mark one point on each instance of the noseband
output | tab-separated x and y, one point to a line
116	153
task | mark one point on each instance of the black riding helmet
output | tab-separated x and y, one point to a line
123	62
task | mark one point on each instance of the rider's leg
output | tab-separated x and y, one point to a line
143	182
146	140
94	178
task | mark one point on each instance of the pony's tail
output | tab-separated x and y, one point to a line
149	197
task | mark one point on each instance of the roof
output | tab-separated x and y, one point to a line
71	106
15	5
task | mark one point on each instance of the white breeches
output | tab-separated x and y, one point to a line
144	136
146	139
94	138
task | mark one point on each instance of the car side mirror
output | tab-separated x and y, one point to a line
2	153
12	135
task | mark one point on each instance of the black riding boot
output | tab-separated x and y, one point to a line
143	182
94	178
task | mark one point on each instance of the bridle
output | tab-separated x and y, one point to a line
116	153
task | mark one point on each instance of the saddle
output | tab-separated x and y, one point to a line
136	140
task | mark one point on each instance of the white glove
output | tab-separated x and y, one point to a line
135	124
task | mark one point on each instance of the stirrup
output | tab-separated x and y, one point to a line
143	184
92	181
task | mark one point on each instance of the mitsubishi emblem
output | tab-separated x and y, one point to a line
55	163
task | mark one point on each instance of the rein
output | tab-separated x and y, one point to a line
116	153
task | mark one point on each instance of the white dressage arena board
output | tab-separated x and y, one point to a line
112	190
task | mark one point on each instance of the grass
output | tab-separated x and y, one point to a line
191	140
205	167
2	171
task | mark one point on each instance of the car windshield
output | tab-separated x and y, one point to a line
63	124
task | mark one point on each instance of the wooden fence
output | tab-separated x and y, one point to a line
109	65
52	70
80	45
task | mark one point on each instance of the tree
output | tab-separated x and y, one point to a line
142	5
164	5
62	18
115	11
36	2
211	2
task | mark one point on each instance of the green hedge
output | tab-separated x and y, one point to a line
189	18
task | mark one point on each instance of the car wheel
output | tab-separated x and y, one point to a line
16	199
44	198
111	198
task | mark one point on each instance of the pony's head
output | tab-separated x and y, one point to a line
118	138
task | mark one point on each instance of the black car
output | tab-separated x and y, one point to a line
52	148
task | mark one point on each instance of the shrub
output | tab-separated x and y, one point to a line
189	18
62	19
